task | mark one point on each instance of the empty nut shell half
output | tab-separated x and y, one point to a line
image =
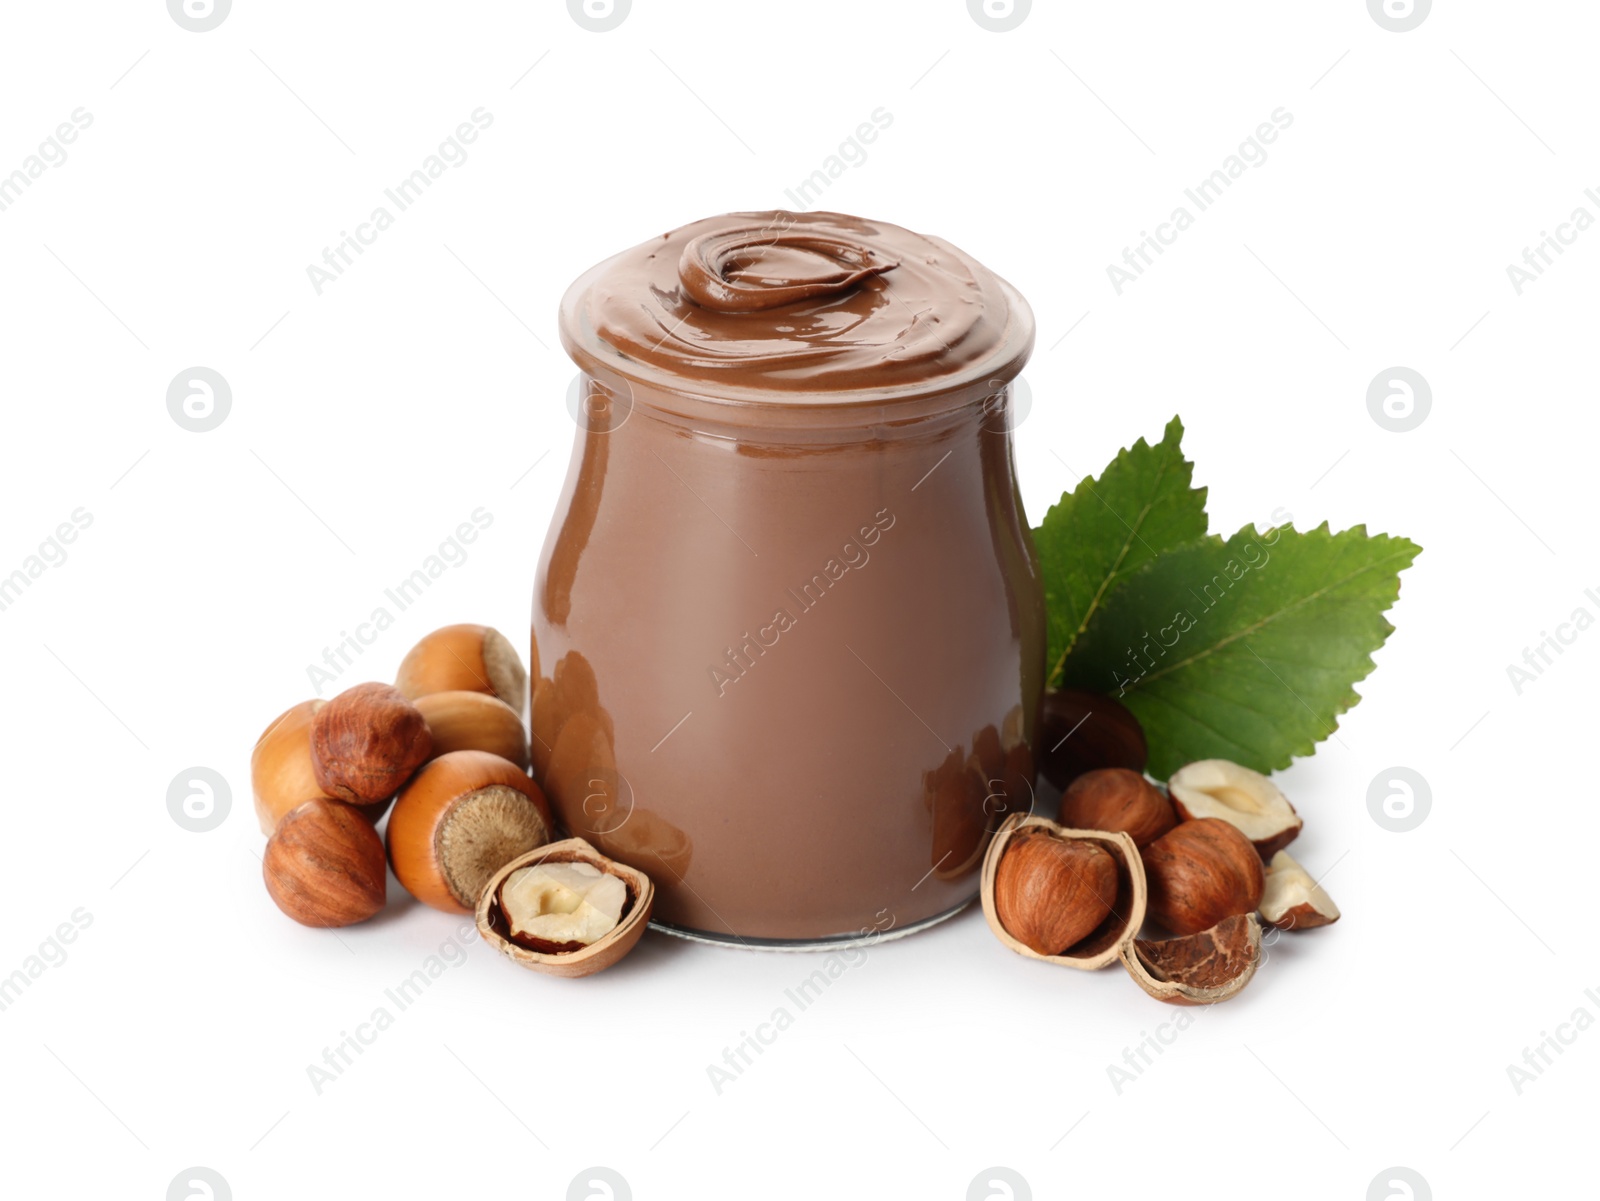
1200	969
585	961
1101	946
461	819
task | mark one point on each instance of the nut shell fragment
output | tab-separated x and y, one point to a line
1199	969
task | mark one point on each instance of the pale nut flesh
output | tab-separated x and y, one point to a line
1243	798
558	907
1292	900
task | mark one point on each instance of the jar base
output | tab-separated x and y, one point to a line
831	942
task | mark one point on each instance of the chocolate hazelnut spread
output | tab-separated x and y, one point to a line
788	626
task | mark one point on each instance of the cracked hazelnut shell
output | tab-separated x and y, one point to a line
584	961
366	742
1118	799
1199	969
324	865
1101	945
460	819
1200	872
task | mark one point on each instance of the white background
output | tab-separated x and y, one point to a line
369	421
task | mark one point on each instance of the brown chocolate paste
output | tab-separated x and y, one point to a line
788	626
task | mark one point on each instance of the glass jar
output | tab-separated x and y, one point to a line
788	630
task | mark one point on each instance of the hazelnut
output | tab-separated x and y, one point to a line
366	742
609	902
1243	798
461	819
474	721
281	774
469	658
1292	900
1117	798
1082	731
1201	872
1051	893
560	907
324	865
1200	969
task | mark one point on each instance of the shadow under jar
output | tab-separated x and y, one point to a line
788	630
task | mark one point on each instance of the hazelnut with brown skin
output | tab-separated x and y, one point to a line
324	865
1082	731
1118	800
1201	872
366	742
1051	893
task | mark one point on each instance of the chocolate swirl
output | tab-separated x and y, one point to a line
816	303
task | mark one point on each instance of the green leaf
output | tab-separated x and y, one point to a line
1105	529
1246	649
